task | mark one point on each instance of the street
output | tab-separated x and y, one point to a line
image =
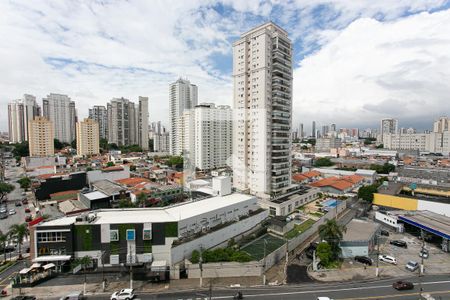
437	286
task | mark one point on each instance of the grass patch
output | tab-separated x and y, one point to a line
316	214
298	229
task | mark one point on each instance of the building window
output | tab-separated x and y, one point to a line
131	234
147	234
272	211
114	235
50	237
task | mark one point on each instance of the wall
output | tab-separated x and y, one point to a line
226	269
179	253
74	181
112	175
352	251
388	220
395	201
436	207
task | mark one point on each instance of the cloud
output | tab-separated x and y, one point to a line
373	69
96	50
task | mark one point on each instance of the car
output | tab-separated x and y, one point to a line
123	294
27	210
24	298
384	232
412	265
25	201
424	253
28	218
388	259
73	296
403	285
18	204
3	210
12	211
364	260
3	216
399	243
24	194
8	248
324	298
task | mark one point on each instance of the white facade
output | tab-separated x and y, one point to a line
161	142
143	123
388	126
20	112
99	113
262	74
429	142
441	125
60	110
183	96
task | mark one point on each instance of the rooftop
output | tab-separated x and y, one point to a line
428	219
108	187
360	230
173	213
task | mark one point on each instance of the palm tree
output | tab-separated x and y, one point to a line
332	233
84	262
3	242
19	231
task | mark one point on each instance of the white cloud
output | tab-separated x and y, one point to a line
372	70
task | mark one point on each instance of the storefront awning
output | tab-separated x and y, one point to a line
35	266
49	266
50	258
24	271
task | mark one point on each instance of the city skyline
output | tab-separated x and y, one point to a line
68	58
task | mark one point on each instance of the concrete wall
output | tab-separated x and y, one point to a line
388	220
180	252
352	251
226	269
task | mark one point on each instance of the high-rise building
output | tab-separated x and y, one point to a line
19	113
388	126
300	131
333	127
262	74
99	114
313	129
207	136
128	124
325	130
161	142
441	125
88	137
61	112
41	135
143	123
182	96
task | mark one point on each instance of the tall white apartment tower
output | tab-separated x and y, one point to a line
20	112
388	126
143	123
99	113
121	122
60	111
182	96
262	74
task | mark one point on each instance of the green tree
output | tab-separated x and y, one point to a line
4	238
380	146
325	253
5	189
57	144
85	262
323	162
113	146
195	258
21	150
25	183
103	144
366	192
332	233
74	144
175	161
386	168
110	164
19	231
141	199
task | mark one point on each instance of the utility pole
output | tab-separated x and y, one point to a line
264	263
200	265
377	270
287	261
421	264
131	268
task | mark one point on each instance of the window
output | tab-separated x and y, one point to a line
272	211
50	237
114	235
131	234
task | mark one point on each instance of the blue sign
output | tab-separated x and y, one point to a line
130	235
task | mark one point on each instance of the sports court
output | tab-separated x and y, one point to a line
256	248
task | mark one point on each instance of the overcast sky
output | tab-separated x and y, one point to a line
355	61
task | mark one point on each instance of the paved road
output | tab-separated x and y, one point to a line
438	286
5	277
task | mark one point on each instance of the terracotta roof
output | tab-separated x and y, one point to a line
325	182
341	185
353	178
133	181
46	176
64	193
46	167
311	174
113	168
299	177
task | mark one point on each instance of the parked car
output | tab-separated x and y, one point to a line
364	260
3	216
27	210
18	204
7	249
403	285
324	298
388	259
123	294
24	298
3	210
12	211
412	265
399	243
28	218
25	201
74	296
424	253
384	232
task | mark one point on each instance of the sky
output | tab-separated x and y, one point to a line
355	62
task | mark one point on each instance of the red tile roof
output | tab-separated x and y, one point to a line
133	181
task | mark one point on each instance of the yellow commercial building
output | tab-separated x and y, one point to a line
399	202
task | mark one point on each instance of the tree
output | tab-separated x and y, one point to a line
74	144
141	199
332	233
25	182
324	252
19	231
323	162
113	146
21	150
386	168
84	261
380	146
57	144
3	242
175	161
110	164
103	144
5	189
366	192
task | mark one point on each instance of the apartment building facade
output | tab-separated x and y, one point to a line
20	112
262	75
88	137
41	135
99	114
60	110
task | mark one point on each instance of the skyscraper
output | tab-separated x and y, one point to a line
20	112
99	114
41	135
388	126
88	137
60	110
441	125
301	132
262	74
182	96
143	123
313	129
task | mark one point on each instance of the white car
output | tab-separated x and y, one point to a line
324	298
123	294
12	211
388	259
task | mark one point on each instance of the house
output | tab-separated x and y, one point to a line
359	239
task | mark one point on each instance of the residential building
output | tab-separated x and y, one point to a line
262	74
20	112
300	131
313	129
325	144
60	110
284	206
161	142
142	130
388	126
88	137
121	122
359	238
441	125
427	142
41	135
99	114
182	96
